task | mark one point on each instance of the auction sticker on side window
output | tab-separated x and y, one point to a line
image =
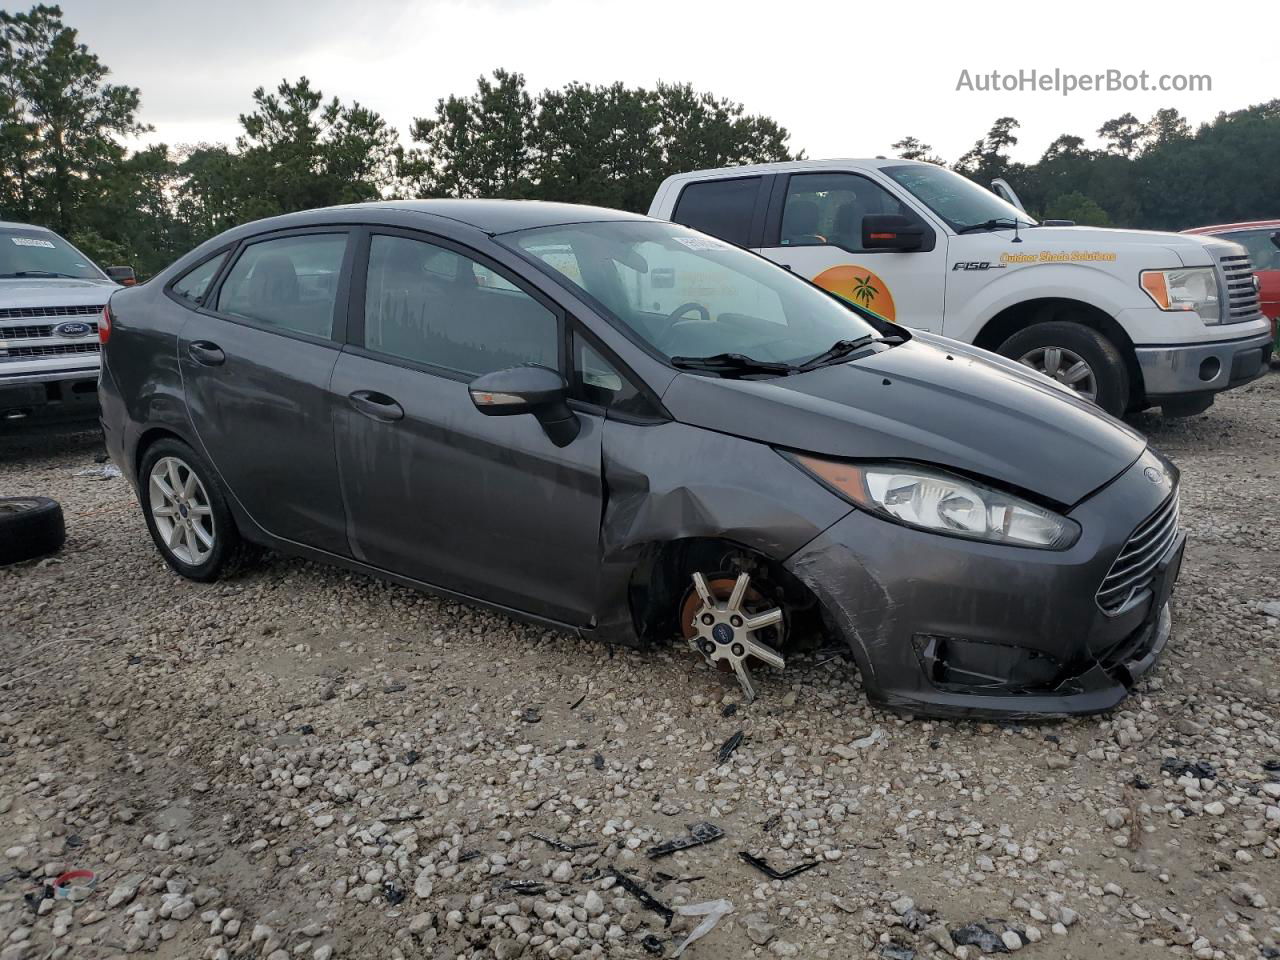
702	243
32	242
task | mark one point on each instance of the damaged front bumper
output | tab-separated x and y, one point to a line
947	627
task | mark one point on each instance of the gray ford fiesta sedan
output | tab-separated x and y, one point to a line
635	431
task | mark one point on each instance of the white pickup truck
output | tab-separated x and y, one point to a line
1131	319
51	296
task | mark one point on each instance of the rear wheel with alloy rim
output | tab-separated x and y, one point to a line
1076	356
186	511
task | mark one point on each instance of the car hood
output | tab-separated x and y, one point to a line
931	401
1192	249
54	292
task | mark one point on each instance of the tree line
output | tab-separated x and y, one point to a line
64	163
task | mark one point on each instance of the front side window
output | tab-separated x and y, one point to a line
1262	252
194	284
430	305
827	208
956	199
689	295
289	282
42	254
722	208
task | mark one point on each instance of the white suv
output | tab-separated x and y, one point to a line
51	296
1130	319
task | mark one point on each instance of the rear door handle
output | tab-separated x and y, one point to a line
376	406
206	353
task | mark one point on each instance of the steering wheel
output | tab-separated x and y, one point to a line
673	318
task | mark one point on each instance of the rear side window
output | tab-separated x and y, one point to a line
428	304
722	208
194	284
289	282
1262	252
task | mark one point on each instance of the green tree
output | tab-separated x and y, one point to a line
909	148
62	121
1165	127
988	158
480	145
1124	135
1078	208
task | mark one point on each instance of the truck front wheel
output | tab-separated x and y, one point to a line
1076	356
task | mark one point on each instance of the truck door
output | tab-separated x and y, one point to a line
814	227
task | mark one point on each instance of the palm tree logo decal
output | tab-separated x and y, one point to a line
864	290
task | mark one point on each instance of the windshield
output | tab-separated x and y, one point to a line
956	199
686	294
40	253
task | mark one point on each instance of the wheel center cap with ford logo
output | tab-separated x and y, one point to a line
722	632
72	328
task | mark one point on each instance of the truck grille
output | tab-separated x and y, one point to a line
1135	568
10	354
1242	294
39	313
36	332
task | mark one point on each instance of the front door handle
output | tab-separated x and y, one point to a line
376	406
206	353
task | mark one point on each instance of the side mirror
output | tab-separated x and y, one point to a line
122	275
532	389
892	232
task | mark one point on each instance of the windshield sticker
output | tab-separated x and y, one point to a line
702	243
31	242
860	286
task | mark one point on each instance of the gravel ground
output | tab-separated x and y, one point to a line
305	763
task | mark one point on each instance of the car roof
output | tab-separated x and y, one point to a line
500	216
793	166
1243	225
15	225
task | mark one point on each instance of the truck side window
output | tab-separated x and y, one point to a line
827	208
722	208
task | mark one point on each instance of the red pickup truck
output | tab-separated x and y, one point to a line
1262	239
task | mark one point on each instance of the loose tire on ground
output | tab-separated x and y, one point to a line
30	527
227	551
1102	356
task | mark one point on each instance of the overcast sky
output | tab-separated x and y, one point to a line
845	78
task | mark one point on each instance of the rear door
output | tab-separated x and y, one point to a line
434	490
814	227
256	367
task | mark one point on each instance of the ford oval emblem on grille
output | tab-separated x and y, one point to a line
72	328
1152	474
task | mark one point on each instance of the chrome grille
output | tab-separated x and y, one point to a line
36	332
9	354
1242	292
1134	569
37	313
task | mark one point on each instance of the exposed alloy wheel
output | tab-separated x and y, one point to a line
180	508
1065	366
1077	356
186	512
729	623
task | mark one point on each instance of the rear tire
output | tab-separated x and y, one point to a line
1107	374
186	511
30	527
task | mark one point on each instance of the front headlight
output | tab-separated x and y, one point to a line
943	503
1188	288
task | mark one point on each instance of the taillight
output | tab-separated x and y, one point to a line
104	325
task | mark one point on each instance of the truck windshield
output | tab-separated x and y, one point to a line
42	254
956	199
688	295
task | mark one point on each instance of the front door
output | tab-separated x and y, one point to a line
255	370
434	490
818	234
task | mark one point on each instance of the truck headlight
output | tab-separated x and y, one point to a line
1187	288
943	503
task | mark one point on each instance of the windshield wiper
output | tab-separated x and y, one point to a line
38	273
997	223
729	363
842	348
